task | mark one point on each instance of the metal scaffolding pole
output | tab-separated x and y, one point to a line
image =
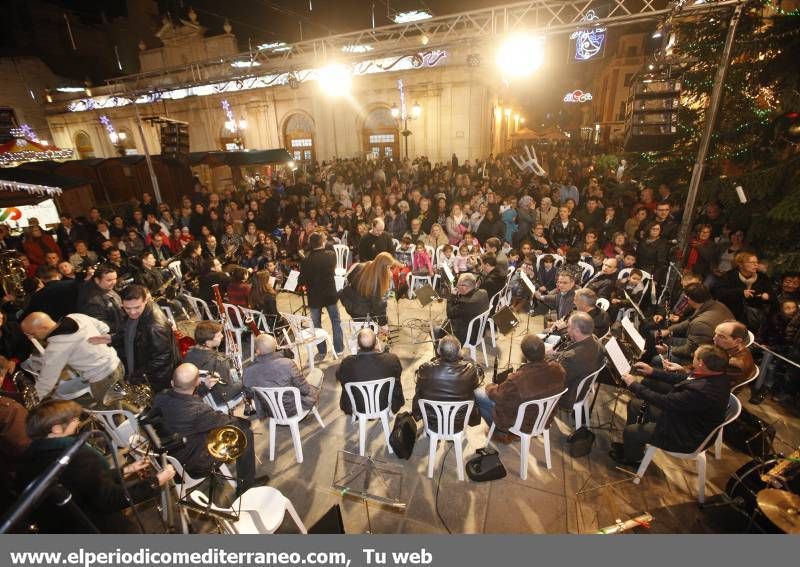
147	158
705	140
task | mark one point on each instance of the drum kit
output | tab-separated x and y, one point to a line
767	492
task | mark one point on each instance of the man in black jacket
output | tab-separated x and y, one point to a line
586	301
98	299
681	419
375	242
604	281
148	346
370	363
468	303
316	274
493	279
448	378
58	297
184	413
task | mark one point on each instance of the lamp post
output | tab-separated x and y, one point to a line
401	114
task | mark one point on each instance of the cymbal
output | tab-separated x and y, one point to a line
782	508
226	443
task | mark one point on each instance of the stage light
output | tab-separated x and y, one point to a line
335	80
411	16
520	55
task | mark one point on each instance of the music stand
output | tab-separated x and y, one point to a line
619	366
369	478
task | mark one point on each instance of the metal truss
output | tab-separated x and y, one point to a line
467	29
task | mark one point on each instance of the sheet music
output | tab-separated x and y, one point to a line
449	273
633	333
617	357
291	281
527	281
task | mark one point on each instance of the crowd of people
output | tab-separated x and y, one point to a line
586	247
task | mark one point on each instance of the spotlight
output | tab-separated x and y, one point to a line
335	80
519	56
473	60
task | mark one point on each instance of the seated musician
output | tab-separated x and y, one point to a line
731	336
681	418
536	379
679	310
371	362
604	282
447	378
205	356
586	301
94	486
561	301
184	413
270	369
466	303
150	276
581	355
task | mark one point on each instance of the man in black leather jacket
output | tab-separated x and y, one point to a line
448	378
468	303
97	298
148	346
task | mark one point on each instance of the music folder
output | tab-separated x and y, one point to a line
619	363
633	334
425	294
505	320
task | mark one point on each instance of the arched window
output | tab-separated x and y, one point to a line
83	144
298	133
380	133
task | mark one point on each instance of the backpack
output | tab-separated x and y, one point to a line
485	465
404	435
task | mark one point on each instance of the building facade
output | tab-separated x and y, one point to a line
456	101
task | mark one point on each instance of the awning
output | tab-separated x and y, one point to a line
27	187
244	157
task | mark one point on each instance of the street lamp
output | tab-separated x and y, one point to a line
237	128
401	114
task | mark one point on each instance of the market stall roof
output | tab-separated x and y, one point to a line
244	157
21	149
525	134
19	186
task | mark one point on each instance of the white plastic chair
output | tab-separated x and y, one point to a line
342	258
588	271
603	303
646	276
200	308
175	268
168	314
699	455
541	428
395	243
259	318
370	393
273	398
121	426
225	407
558	260
239	328
478	324
343	240
751	338
752	378
437	255
581	406
446	430
261	510
306	334
494	305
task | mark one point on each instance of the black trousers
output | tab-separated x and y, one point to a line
636	435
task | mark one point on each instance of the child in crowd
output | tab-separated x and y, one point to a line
513	258
546	275
460	263
422	260
405	252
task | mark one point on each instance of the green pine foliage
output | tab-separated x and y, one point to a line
763	82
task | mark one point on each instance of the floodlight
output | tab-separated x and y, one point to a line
520	55
335	80
412	16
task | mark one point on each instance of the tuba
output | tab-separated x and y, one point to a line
25	385
12	274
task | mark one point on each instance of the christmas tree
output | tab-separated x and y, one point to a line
747	146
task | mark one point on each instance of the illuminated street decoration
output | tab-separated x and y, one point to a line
577	96
427	59
588	42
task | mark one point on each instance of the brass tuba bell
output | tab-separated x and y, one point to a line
226	443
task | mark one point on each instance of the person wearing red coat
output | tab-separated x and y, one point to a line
36	246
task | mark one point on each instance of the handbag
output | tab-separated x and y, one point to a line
485	465
404	435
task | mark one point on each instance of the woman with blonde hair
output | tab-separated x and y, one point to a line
369	282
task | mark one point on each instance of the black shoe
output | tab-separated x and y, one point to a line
759	396
258	481
617	454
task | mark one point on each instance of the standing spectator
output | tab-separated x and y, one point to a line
317	275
